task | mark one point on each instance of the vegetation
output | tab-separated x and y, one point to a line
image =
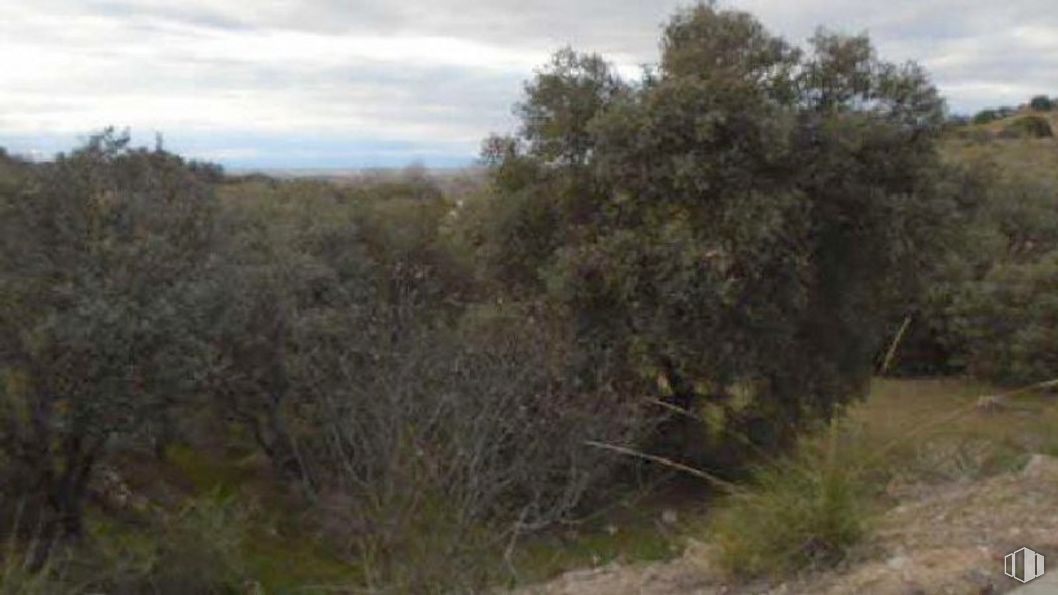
797	515
1029	127
722	197
1041	103
402	387
818	506
102	254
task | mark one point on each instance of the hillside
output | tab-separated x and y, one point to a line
984	145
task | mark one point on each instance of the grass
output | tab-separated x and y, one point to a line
979	145
802	512
632	531
932	429
812	509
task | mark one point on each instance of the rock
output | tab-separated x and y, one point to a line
1041	467
898	562
991	403
669	517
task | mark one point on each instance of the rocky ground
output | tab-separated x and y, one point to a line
938	539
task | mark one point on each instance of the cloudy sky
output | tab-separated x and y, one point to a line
354	83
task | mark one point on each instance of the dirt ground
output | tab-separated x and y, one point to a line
938	539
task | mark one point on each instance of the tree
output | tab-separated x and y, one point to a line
749	219
1041	103
560	102
100	254
985	117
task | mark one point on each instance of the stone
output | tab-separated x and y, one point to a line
898	562
1041	467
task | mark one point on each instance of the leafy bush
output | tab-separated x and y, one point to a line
985	117
1028	127
988	296
1041	103
1009	322
196	549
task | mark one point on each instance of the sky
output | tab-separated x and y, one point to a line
384	83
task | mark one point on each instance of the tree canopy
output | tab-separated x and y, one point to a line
741	224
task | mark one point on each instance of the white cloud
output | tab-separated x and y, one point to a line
435	75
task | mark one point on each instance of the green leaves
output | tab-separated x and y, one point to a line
751	214
100	255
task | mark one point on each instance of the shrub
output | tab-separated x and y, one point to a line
451	439
20	573
1008	321
1028	127
985	117
1041	103
1005	227
195	549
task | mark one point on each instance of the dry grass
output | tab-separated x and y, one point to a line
980	146
910	436
935	428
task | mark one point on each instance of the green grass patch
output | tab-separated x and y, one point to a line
800	513
633	531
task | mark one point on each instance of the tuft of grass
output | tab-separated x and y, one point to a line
811	509
799	513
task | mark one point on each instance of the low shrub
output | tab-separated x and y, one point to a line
985	117
797	514
18	577
1042	103
1028	127
196	549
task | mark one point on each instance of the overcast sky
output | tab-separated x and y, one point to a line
348	83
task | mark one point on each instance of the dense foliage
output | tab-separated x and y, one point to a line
101	256
988	309
699	264
738	225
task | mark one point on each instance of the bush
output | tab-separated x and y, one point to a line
1006	227
1008	321
20	574
452	439
1041	103
1028	127
985	117
195	549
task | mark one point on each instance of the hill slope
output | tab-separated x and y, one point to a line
983	145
